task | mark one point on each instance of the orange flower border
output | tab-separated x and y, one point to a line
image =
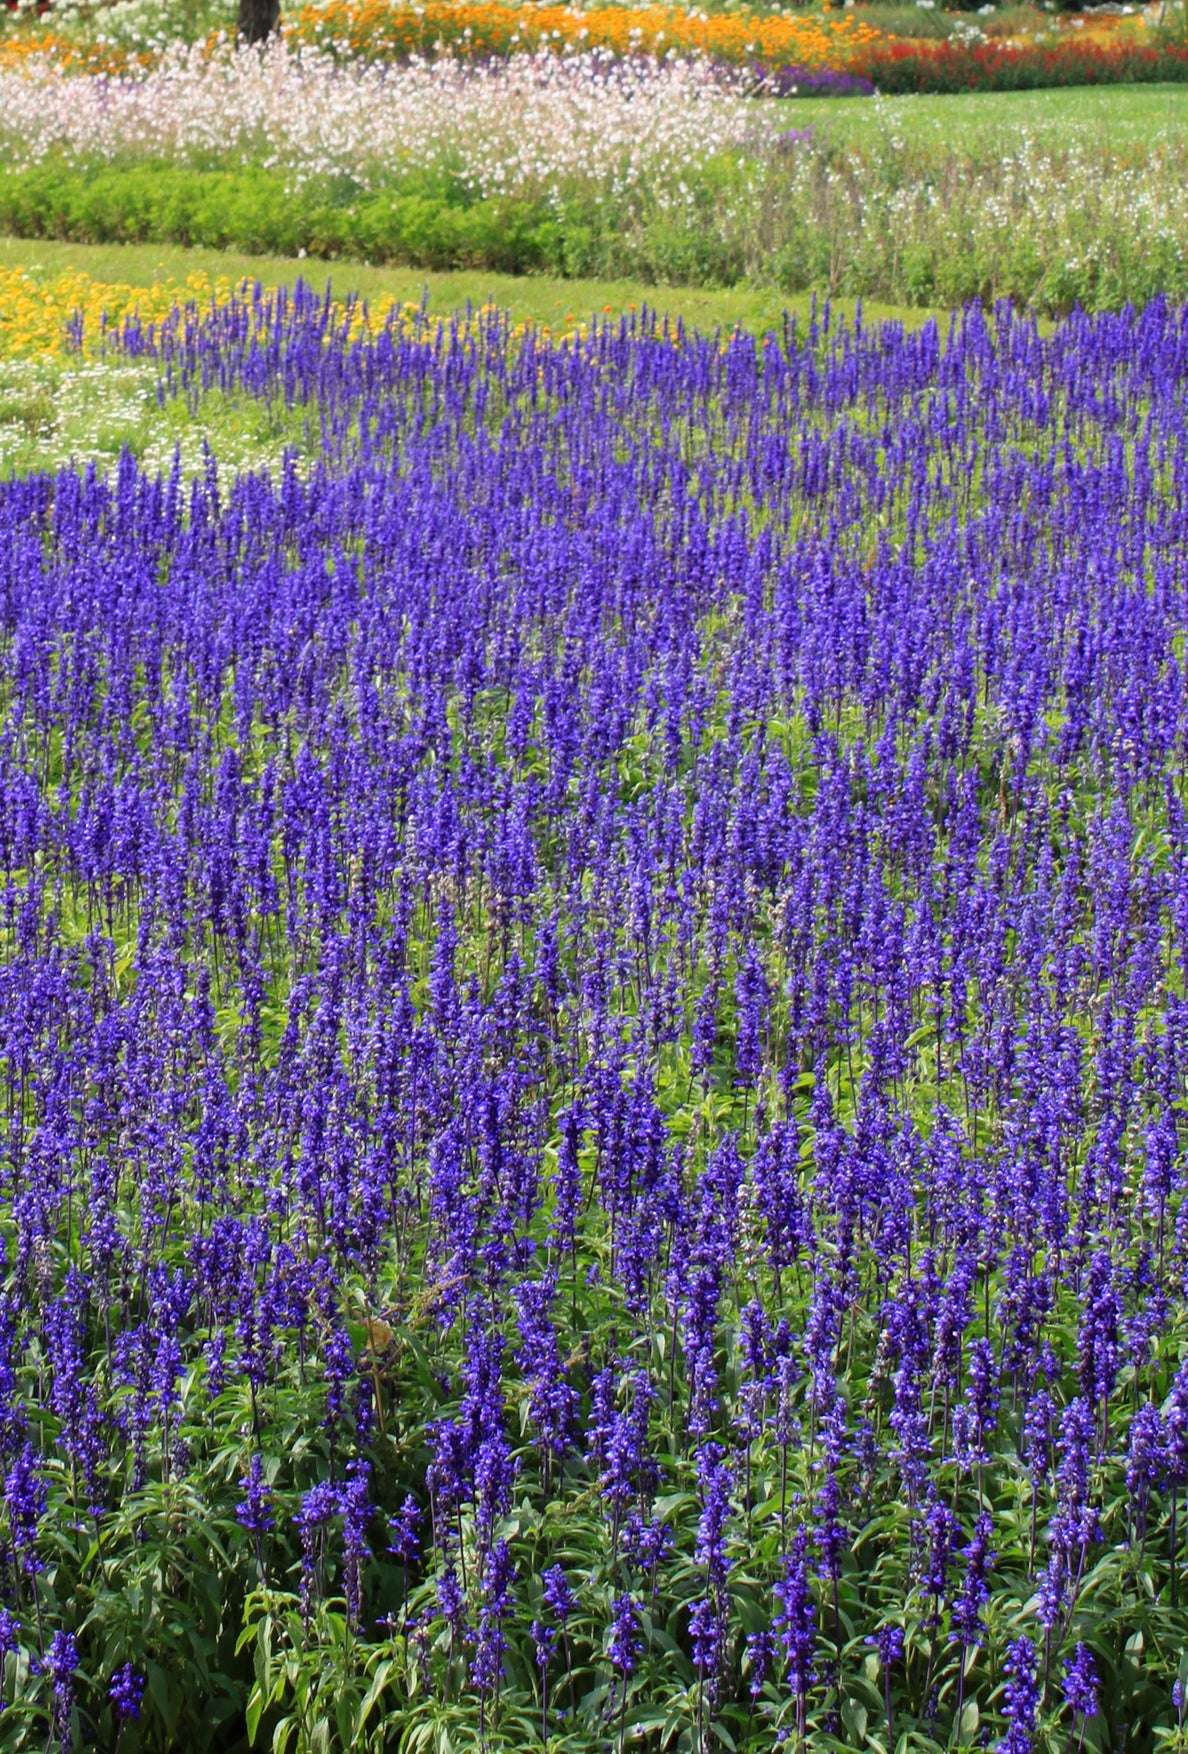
384	30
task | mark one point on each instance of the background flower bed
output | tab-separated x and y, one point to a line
1112	53
591	167
895	67
376	29
1110	50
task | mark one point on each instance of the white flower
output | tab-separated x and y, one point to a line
517	125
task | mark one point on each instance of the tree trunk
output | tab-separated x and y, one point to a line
257	20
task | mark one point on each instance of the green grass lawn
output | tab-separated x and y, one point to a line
527	297
1141	116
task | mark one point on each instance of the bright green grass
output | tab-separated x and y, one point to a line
527	297
1120	116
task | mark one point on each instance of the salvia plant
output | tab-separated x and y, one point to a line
593	1037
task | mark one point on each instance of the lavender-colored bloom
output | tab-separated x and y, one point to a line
974	1592
496	1606
760	1656
1081	1682
559	1597
61	1662
126	1692
356	1513
544	1641
795	1623
645	1544
451	1602
626	1643
703	1636
1052	1593
406	1542
319	1508
941	1528
890	1642
254	1510
25	1498
710	1550
1147	1460
1021	1699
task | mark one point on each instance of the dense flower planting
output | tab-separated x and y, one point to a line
902	66
378	29
808	53
533	122
594	1045
38	312
588	167
69	55
813	44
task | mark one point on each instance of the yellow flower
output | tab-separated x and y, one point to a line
43	315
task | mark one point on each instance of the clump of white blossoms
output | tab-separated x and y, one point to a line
534	122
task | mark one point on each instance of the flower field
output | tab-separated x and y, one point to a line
892	66
594	1043
37	315
586	165
380	30
791	44
538	122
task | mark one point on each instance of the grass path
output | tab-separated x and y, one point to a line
556	303
1139	116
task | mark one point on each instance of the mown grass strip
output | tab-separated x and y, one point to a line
542	299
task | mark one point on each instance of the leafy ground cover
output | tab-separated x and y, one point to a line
594	1044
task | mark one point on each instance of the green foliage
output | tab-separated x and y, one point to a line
901	215
255	210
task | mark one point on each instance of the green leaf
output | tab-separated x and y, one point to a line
159	1691
255	1708
853	1714
344	1713
378	1682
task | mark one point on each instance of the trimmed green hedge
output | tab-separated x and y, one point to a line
254	210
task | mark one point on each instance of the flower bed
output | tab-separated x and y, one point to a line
532	122
839	55
377	29
900	67
592	1094
580	166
